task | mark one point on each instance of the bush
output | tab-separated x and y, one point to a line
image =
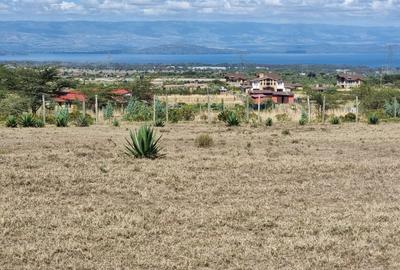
174	116
11	121
392	108
350	117
50	119
13	105
254	123
187	113
282	117
137	111
27	120
143	143
269	122
62	118
204	141
222	116
159	123
39	123
335	120
304	118
108	111
373	119
115	122
232	119
82	121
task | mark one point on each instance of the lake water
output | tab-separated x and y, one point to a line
364	59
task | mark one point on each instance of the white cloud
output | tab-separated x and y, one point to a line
322	11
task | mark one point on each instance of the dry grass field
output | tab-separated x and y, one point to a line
323	197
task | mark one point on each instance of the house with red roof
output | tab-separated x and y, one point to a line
68	96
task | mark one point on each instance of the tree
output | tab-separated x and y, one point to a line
33	82
143	90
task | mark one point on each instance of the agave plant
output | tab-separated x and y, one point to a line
62	118
82	121
39	123
159	123
143	143
11	121
232	119
27	120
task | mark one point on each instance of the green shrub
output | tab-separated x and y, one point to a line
282	117
137	111
232	119
143	143
204	141
50	119
159	123
304	118
82	121
115	122
392	108
222	116
11	121
350	117
108	111
62	118
14	104
254	123
187	113
373	119
269	122
39	123
174	116
334	120
27	120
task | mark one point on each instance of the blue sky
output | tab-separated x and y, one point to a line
355	12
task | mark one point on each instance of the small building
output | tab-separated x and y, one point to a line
69	96
276	97
349	80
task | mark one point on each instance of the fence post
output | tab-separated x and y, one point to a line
223	104
84	107
247	107
309	109
259	108
96	108
44	109
356	109
208	108
395	107
323	110
154	109
166	109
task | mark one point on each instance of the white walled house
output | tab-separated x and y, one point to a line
348	81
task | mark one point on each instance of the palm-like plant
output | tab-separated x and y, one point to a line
27	120
62	118
11	121
232	119
143	143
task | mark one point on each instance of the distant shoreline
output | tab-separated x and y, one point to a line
340	59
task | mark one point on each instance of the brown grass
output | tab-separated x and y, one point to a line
319	198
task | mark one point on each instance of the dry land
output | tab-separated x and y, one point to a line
323	197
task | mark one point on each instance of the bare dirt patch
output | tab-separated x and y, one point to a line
320	197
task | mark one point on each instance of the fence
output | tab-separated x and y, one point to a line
226	101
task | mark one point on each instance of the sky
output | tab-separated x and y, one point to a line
352	12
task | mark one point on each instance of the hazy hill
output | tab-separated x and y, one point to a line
190	37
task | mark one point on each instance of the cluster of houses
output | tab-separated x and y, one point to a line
270	85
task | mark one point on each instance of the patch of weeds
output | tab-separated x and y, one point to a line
204	141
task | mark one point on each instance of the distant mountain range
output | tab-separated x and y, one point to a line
170	37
